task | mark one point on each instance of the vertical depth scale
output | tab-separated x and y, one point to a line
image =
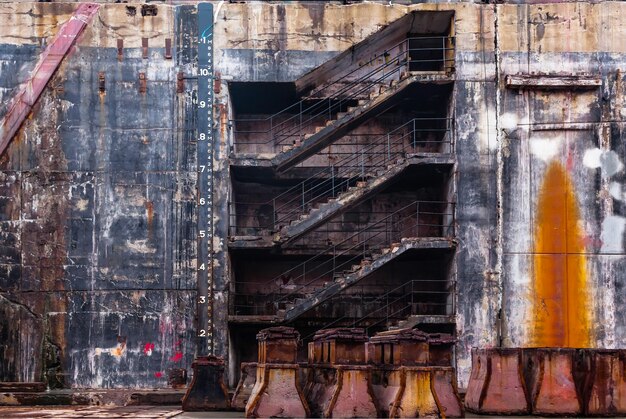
205	146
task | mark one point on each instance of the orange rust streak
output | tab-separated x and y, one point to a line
560	315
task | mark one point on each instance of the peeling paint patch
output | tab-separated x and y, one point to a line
608	161
612	235
545	149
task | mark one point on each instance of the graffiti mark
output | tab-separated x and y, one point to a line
148	348
176	357
158	374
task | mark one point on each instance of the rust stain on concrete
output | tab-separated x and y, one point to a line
560	317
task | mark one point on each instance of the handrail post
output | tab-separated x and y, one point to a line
417	218
412	294
332	177
329	110
274	213
388	148
302	196
414	139
300	130
443	50
362	165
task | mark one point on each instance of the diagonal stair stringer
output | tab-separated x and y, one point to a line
343	122
344	201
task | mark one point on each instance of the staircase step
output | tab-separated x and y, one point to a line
362	102
361	184
341	115
286	148
318	129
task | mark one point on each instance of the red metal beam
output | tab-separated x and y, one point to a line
22	103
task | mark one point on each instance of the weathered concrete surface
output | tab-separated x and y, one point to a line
573	137
97	257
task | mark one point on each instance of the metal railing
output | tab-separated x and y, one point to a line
338	259
366	162
410	298
290	125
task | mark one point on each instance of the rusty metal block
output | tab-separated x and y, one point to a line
180	82
143	87
440	348
341	346
207	390
353	396
496	384
277	393
415	398
247	380
120	49
446	392
101	82
144	47
607	383
168	48
177	378
550	376
278	345
399	347
217	83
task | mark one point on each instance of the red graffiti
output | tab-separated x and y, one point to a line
158	374
177	357
147	349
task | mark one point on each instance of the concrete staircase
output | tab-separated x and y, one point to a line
346	278
321	213
340	124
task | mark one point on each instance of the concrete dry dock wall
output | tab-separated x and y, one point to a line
97	190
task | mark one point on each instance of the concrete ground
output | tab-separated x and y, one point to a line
139	412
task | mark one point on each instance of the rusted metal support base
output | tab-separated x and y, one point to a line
415	398
556	382
245	386
352	395
320	388
446	392
386	384
607	383
496	383
277	393
550	377
207	390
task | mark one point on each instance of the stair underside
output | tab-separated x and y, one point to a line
417	319
265	242
348	280
346	200
336	129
